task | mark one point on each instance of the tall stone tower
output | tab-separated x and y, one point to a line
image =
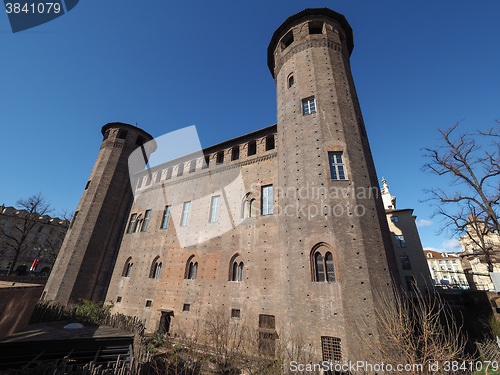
86	259
332	225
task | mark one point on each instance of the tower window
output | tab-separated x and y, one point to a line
192	270
400	241
186	307
127	268
405	262
146	221
192	166
87	186
291	81
267	200
131	223
180	171
308	106
235	153
315	27
252	148
155	271
118	299
336	161
169	174
237	271
206	162
214	209
106	135
220	158
323	265
166	217
149	303
185	213
235	313
122	134
270	142
287	40
331	348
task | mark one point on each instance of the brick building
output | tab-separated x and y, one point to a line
283	228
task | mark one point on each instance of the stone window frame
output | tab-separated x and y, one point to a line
191	270
156	267
127	267
319	254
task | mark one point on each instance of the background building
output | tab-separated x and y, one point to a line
412	266
41	246
446	269
481	256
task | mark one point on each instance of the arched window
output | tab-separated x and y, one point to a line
329	267
236	267
155	270
191	268
127	268
138	223
323	264
320	271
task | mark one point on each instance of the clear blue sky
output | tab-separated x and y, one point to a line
166	65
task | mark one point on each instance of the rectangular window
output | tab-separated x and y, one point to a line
206	162
331	348
169	173
267	321
394	219
336	161
158	177
308	106
235	313
149	303
87	186
405	262
400	241
220	158
269	142
186	307
118	299
410	282
131	223
192	166
166	217
235	153
180	171
252	148
267	200
146	221
185	213
214	209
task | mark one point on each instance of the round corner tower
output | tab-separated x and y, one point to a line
335	246
86	258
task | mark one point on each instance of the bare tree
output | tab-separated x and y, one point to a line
470	205
31	209
416	332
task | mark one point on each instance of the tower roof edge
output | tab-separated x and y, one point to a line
308	12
